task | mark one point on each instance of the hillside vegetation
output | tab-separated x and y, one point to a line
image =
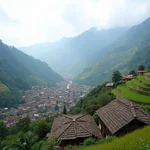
3	88
126	53
19	71
22	71
137	140
97	98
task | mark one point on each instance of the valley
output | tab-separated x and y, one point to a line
71	88
42	102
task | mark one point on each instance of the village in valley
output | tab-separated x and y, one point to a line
41	102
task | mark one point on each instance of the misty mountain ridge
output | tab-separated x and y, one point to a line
72	55
126	53
22	71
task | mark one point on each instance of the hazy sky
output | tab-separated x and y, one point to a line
26	22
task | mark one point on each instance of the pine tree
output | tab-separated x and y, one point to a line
64	110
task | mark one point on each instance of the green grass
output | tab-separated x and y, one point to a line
133	141
133	96
135	81
135	87
141	78
147	74
115	91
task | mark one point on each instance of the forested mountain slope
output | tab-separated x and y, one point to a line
128	52
19	71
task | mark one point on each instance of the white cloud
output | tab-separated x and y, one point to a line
28	22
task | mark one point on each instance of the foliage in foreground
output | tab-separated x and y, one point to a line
137	140
89	141
97	98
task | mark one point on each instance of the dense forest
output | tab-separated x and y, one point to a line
19	71
126	53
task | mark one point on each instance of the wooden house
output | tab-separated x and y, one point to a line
141	72
127	78
74	129
109	86
120	117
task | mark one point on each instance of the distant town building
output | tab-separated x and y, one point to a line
110	85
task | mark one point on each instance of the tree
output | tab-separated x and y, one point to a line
42	128
25	143
24	124
3	130
64	110
116	76
56	107
132	72
50	143
141	67
149	67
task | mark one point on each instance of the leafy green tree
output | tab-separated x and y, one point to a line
149	67
96	118
132	72
3	130
26	142
38	146
116	76
141	67
24	124
64	110
3	145
50	143
42	128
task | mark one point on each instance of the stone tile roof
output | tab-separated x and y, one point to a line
121	112
75	126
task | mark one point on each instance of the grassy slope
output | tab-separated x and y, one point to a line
132	141
134	81
147	74
131	95
141	78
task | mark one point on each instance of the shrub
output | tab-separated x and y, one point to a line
89	141
69	147
50	143
106	140
145	146
41	128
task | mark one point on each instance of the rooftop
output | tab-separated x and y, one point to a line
120	112
75	126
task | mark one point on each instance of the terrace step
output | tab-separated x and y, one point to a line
147	76
131	94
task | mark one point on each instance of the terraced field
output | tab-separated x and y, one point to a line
147	74
136	90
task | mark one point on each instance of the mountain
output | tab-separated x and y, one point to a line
19	70
72	55
127	52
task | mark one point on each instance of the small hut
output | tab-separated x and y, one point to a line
120	117
110	85
74	129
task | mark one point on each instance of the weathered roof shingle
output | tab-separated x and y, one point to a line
120	112
75	126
